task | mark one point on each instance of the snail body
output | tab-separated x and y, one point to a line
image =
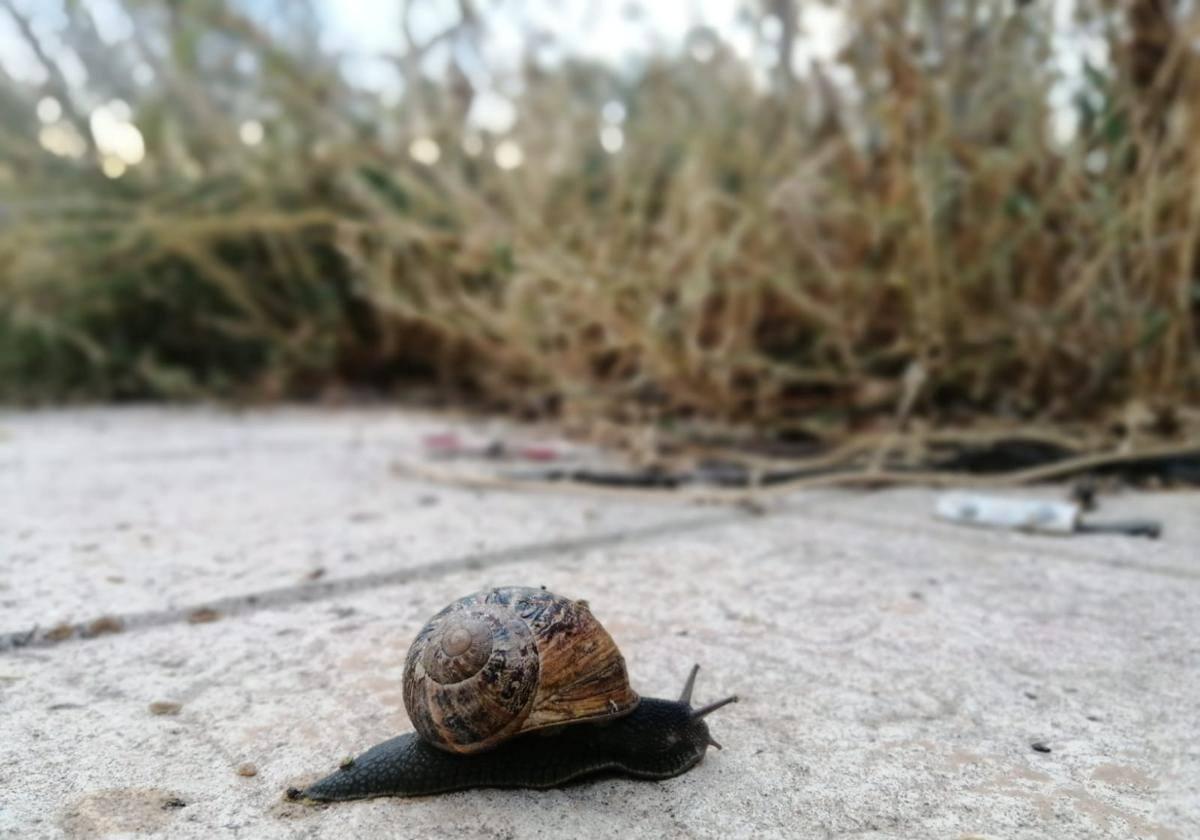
660	739
517	687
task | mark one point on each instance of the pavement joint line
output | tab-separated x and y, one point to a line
288	596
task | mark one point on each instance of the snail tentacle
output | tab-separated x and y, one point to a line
686	695
704	711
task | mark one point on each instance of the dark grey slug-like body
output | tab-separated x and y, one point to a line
658	740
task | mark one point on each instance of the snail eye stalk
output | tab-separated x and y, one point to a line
704	711
686	696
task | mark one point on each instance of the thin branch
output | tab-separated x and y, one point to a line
56	81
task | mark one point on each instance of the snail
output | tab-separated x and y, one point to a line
518	687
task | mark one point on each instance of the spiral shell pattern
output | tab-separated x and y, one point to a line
507	661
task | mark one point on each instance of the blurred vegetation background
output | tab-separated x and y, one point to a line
933	223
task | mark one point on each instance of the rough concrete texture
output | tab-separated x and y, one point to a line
894	671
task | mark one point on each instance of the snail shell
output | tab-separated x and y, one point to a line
507	661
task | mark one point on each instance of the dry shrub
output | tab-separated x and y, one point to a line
801	257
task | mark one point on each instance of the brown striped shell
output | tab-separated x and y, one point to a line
506	661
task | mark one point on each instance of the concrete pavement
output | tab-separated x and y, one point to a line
262	575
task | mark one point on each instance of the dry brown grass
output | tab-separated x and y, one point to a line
793	261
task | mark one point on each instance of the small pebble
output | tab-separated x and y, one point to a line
1039	746
60	632
165	707
204	615
105	624
247	769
